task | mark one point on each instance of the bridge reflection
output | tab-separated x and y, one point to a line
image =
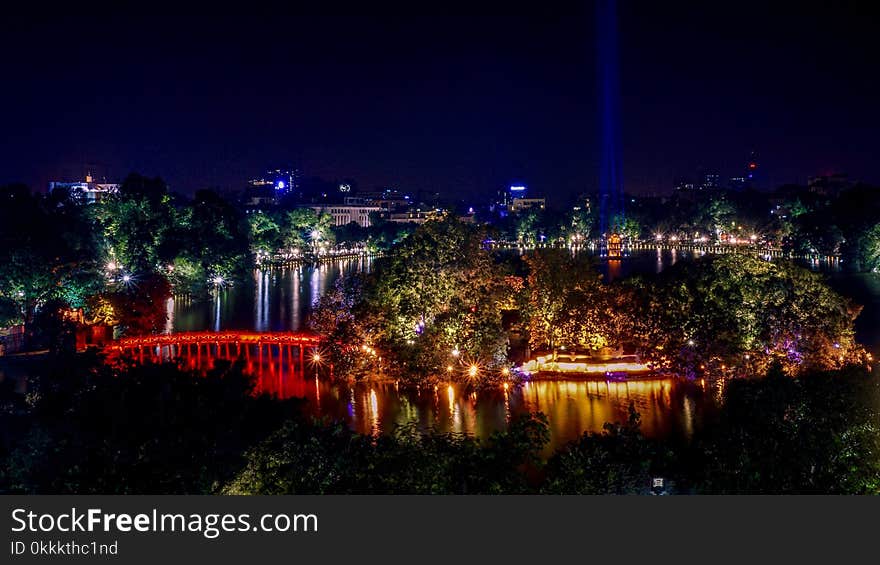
279	361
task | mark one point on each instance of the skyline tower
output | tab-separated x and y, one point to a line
611	200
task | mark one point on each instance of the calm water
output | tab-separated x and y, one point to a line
668	408
281	299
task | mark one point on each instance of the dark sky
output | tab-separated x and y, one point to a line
457	104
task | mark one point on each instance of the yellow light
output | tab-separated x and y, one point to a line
448	368
472	371
316	357
506	386
455	352
505	371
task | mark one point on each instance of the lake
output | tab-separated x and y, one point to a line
280	300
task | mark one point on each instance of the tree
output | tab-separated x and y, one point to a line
738	313
437	292
46	253
568	305
135	223
265	232
218	236
617	461
814	434
139	307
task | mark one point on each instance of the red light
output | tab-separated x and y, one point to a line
753	165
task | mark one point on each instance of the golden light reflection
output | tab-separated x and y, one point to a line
688	409
374	412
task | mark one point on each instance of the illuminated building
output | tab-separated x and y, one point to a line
681	184
520	204
88	191
615	246
344	215
416	216
282	180
711	181
517	191
738	183
706	181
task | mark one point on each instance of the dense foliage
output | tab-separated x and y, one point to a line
738	314
432	308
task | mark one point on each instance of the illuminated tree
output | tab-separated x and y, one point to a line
46	253
135	223
437	291
738	314
568	305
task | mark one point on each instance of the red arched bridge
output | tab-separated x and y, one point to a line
197	347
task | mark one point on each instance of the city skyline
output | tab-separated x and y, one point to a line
454	104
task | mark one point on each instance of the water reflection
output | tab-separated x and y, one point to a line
667	408
270	300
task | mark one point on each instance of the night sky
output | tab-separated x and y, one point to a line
455	104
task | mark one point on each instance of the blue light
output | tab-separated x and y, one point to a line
280	185
517	188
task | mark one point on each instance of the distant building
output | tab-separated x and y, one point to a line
88	191
738	183
829	185
389	199
520	204
711	181
346	214
259	195
284	180
684	185
587	204
416	216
